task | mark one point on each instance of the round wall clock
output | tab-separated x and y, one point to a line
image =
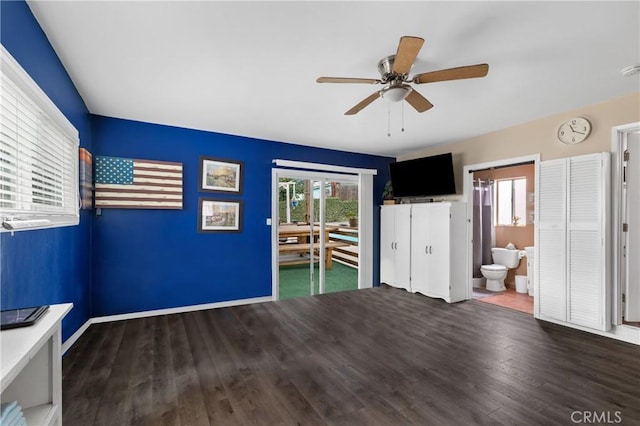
574	130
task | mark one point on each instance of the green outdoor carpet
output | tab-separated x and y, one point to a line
294	280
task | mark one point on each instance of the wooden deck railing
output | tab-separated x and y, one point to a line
349	253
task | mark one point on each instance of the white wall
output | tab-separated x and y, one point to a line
539	137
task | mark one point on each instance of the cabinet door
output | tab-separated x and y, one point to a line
438	280
402	220
387	241
420	240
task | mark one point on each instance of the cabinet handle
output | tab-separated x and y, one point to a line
392	246
429	249
396	246
426	249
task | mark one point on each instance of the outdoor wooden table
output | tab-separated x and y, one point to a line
302	244
302	232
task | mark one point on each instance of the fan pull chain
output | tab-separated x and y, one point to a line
388	119
403	117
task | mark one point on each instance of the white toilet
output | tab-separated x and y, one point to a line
504	259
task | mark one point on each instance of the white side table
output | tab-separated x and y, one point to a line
31	367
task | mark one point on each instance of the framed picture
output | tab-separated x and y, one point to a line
219	215
86	179
220	175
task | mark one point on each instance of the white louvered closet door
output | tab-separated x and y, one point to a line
551	227
572	273
587	282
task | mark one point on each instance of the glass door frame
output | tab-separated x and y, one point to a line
313	176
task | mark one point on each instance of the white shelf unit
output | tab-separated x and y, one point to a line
31	367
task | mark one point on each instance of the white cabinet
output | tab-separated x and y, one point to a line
572	274
438	251
31	367
435	264
530	253
430	250
395	245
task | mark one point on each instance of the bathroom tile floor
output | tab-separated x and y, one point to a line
509	299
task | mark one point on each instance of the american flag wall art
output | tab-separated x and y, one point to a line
125	183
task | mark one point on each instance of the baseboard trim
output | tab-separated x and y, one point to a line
71	340
156	312
179	310
619	332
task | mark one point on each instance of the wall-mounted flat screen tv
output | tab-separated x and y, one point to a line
423	177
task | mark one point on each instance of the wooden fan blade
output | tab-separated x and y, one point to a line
406	55
419	102
363	104
471	71
347	80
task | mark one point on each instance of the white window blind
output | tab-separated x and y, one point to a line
38	155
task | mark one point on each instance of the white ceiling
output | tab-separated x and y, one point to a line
249	68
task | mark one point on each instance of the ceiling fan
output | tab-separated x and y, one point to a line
394	71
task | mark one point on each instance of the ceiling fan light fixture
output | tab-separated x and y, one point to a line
395	93
394	76
629	71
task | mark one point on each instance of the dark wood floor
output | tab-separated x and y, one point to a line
378	356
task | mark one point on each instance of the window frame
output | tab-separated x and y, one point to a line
31	214
522	220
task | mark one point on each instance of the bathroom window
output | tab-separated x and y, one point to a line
510	201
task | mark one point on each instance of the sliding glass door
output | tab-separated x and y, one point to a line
297	238
341	212
317	234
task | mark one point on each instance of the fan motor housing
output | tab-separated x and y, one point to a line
385	68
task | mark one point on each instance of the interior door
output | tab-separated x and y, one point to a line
632	198
550	277
572	245
585	247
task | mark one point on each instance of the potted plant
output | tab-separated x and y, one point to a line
387	194
352	215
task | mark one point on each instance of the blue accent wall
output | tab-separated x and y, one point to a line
154	259
134	260
53	265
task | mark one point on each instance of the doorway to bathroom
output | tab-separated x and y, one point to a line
501	199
